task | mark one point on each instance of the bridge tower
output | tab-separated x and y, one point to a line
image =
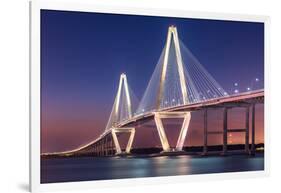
121	111
172	45
172	40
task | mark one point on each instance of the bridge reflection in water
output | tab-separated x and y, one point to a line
178	86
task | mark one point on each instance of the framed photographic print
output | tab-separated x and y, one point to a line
143	96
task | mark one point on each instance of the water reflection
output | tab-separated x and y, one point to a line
81	169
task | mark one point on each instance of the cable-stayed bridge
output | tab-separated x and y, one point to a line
178	86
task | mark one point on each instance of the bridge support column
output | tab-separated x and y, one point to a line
224	131
130	130
163	138
101	148
205	147
95	150
111	147
253	148
247	125
98	148
100	145
106	146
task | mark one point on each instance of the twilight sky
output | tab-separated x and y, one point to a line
83	55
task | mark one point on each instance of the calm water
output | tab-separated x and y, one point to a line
89	168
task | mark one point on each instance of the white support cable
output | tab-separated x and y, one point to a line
196	75
191	84
200	81
148	94
207	77
201	67
197	82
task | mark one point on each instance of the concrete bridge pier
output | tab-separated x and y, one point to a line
104	147
118	149
226	130
158	116
205	132
247	127
224	148
111	148
253	149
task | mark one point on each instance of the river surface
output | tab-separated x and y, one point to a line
103	168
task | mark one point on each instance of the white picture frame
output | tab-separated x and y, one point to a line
88	6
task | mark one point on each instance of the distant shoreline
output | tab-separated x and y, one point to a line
156	151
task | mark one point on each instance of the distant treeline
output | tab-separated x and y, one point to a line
156	150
